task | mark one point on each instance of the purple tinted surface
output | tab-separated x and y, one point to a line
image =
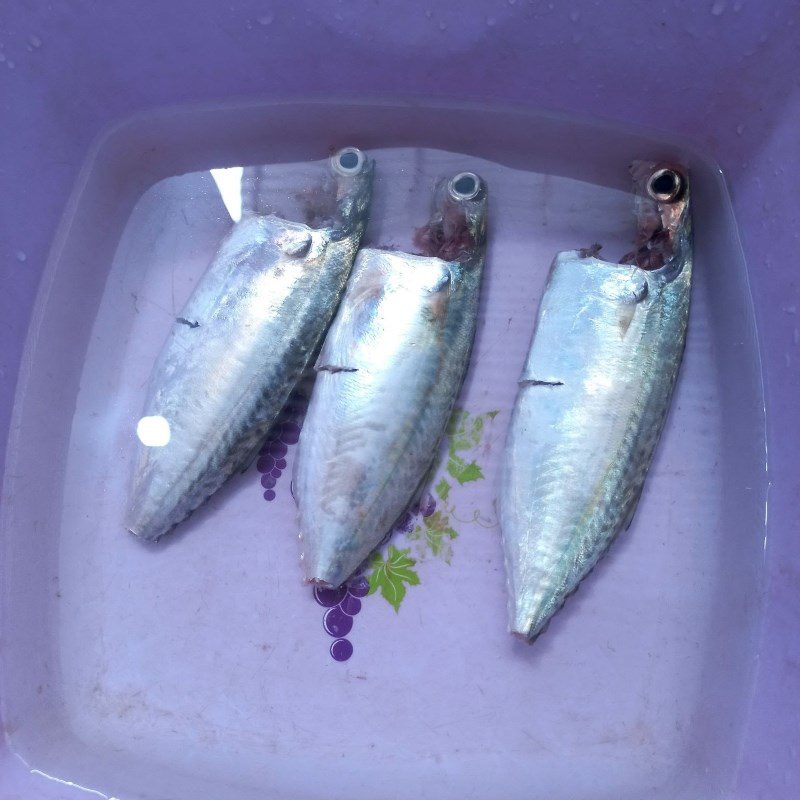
749	125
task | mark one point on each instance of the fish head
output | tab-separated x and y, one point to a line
662	216
456	230
351	173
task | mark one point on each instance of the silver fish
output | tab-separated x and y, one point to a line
241	342
592	401
388	375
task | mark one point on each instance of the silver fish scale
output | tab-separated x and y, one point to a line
593	398
389	373
227	369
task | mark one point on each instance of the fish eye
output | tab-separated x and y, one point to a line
464	186
348	161
665	186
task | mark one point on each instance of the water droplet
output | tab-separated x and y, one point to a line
429	13
34	40
740	129
718	7
442	26
2	57
21	256
788	359
491	21
796	336
576	38
790	309
575	15
763	38
266	19
737	5
10	64
512	2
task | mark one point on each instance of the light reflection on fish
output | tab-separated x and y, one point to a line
388	375
592	400
241	342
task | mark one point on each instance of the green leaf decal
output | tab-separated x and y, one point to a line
477	430
439	534
433	535
462	471
465	431
456	422
442	489
460	432
390	575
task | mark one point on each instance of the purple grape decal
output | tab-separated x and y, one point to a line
350	605
277	448
424	531
427	505
336	622
406	523
358	586
290	432
285	432
330	597
342	605
341	650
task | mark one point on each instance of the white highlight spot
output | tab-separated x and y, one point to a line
229	183
153	431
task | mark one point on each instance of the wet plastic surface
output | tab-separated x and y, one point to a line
659	677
